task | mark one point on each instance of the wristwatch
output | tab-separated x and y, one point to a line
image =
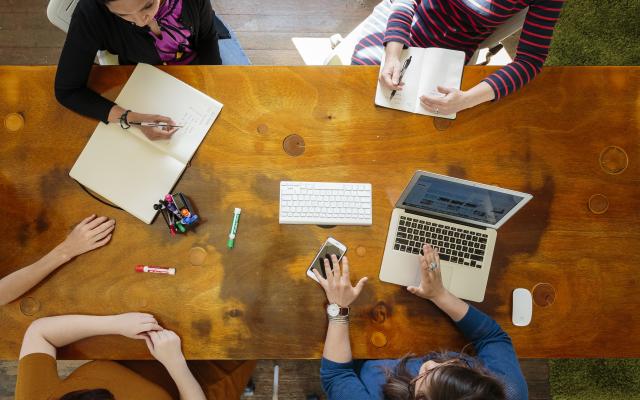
337	313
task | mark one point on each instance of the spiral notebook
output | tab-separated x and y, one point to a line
429	68
131	171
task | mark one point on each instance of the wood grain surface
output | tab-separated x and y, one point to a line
255	301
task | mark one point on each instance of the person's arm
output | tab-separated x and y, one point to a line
531	54
75	63
45	335
397	36
339	379
89	234
532	51
207	46
492	344
165	347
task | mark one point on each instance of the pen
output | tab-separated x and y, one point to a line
234	227
155	124
404	68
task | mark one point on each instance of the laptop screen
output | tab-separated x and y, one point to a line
459	200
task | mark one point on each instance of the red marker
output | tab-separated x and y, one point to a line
154	269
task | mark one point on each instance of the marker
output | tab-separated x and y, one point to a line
154	269
234	227
171	205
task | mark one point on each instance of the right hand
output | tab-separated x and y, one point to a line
337	286
135	325
390	74
164	346
153	133
431	285
91	233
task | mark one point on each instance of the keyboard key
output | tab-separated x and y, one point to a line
403	248
402	229
402	241
401	235
415	250
444	257
396	247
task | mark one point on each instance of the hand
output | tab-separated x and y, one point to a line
431	279
91	233
135	325
390	74
449	101
164	346
337	286
153	133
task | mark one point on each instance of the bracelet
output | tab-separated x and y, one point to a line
124	124
341	319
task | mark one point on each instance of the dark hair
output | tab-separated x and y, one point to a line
457	377
92	394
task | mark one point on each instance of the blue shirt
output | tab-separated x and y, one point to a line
493	346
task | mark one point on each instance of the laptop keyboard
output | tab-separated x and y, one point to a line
456	245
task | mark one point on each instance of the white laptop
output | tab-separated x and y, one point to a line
459	217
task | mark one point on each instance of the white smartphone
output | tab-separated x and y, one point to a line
331	246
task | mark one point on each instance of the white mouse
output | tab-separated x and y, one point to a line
522	307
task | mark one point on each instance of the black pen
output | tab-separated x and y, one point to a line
404	68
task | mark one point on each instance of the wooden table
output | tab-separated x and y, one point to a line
254	301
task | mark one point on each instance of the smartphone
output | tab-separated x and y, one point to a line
331	246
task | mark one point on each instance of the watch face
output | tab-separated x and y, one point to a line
333	310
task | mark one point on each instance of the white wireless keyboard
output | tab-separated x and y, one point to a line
325	203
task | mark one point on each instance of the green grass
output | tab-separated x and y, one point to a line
597	32
609	379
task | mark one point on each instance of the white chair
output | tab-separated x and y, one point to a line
59	13
342	48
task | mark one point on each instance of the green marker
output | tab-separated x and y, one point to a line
234	227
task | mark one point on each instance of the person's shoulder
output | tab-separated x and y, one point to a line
91	9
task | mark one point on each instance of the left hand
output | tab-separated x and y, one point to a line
135	325
337	286
452	101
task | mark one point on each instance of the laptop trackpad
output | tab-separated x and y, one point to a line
447	274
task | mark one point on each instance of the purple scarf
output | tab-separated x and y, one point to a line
173	45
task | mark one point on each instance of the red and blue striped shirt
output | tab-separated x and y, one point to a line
464	24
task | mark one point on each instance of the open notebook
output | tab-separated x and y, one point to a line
429	68
131	171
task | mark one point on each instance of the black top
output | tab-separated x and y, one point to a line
93	27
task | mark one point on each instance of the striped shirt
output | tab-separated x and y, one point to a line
464	24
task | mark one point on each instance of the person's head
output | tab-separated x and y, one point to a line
92	394
444	377
139	12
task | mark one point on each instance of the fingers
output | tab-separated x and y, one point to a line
321	280
101	243
360	285
161	134
162	118
154	337
386	76
345	267
106	226
445	90
94	223
151	326
149	343
89	218
104	233
328	271
395	75
336	266
412	289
